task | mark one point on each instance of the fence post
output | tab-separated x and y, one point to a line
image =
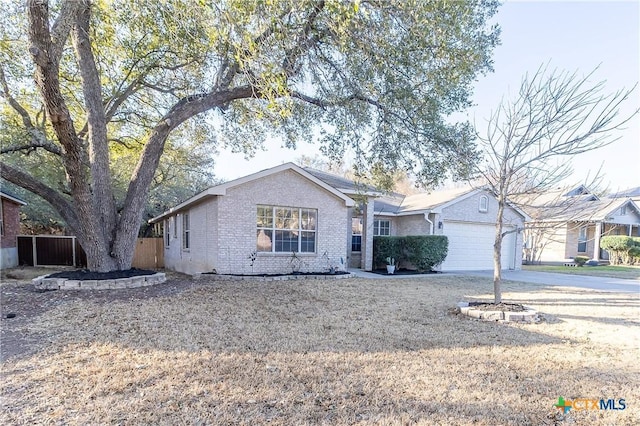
73	250
35	252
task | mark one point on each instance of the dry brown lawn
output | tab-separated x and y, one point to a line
350	351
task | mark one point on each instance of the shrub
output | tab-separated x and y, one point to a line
424	252
384	247
580	260
618	247
634	255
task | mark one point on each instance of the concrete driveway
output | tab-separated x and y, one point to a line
565	280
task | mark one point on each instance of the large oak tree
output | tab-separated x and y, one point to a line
377	78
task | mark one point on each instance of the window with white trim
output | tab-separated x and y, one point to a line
382	228
582	239
186	232
286	229
483	204
1	218
356	234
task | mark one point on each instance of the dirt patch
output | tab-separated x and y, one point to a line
85	274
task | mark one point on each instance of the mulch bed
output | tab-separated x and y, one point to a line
403	272
508	307
84	274
281	275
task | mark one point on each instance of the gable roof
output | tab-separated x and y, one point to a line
433	202
221	190
581	209
344	185
12	198
627	193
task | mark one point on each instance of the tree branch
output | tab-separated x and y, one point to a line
53	197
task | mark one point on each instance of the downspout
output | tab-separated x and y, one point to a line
426	217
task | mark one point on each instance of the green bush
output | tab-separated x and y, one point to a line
634	255
384	247
424	252
621	249
580	260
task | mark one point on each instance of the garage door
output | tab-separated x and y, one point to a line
471	247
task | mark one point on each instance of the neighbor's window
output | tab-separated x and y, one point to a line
381	227
356	234
286	229
623	210
1	219
186	231
582	239
483	204
167	234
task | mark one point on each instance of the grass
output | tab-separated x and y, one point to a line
623	272
352	351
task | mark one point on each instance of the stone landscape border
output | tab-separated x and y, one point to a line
44	283
221	277
529	315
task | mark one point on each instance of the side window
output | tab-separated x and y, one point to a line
381	227
483	204
356	234
582	239
186	231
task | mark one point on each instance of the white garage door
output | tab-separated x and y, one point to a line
471	247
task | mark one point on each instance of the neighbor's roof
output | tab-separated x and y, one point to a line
221	190
13	198
581	209
627	193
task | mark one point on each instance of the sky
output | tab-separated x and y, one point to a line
572	36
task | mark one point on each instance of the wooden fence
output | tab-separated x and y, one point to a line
149	253
56	250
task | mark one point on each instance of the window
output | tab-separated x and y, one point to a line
582	240
483	204
185	231
623	210
1	219
286	229
356	234
381	227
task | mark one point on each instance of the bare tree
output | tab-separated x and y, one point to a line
528	140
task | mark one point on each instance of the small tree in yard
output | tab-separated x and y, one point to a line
529	139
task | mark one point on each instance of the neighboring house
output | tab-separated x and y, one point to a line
253	224
9	229
569	224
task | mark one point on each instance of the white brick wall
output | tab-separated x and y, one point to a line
223	228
